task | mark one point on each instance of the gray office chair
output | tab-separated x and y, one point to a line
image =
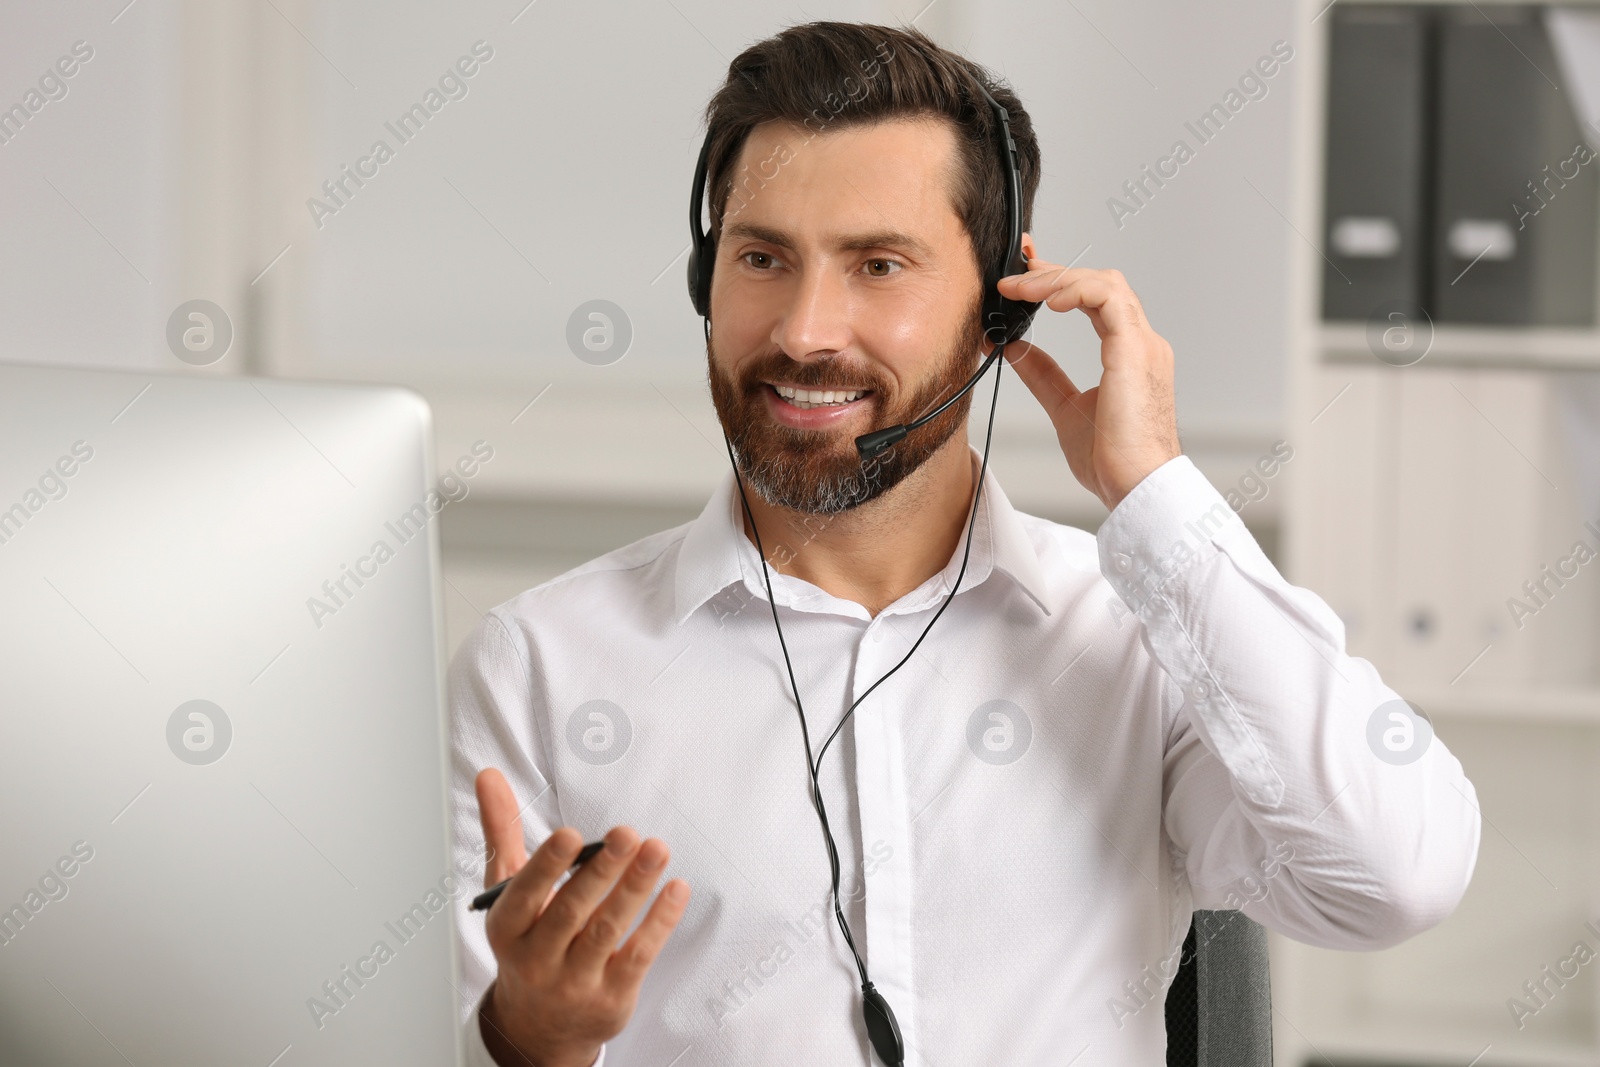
1219	1006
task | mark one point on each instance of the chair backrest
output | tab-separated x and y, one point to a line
1219	1006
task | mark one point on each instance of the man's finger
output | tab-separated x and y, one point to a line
529	892
1040	270
1104	295
628	966
502	827
598	939
1042	375
569	910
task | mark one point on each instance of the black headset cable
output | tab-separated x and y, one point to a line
881	1040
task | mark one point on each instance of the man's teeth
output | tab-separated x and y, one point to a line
818	398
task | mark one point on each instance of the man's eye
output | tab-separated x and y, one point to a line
758	266
872	264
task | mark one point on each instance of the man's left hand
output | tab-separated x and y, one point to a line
1117	432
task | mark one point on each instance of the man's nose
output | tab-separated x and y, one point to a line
817	321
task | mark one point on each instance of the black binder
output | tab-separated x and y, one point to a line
1375	222
1514	242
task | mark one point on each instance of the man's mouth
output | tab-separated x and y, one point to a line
806	399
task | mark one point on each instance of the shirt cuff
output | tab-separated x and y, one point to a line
477	1053
1168	522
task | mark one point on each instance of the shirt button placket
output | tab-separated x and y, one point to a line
885	816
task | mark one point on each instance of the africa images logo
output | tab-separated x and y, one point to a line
599	732
999	732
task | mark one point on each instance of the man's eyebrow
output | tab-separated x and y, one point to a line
855	242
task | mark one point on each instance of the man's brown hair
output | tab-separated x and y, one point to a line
826	76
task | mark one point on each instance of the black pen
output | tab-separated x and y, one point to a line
482	901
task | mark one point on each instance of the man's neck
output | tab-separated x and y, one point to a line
876	553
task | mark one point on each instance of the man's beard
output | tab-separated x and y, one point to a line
819	472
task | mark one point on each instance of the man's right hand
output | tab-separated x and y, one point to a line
564	988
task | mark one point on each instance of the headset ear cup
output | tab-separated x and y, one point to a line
994	319
707	264
693	278
699	281
1019	316
1023	319
1005	320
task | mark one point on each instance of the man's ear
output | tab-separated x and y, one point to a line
1027	246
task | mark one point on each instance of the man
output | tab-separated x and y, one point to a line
1101	734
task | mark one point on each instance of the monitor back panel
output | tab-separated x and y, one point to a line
222	757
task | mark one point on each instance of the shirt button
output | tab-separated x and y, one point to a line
1122	561
1201	690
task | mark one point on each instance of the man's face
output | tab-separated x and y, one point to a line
846	271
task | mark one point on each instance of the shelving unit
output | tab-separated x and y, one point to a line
1471	347
1421	499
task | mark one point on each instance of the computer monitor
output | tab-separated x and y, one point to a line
222	763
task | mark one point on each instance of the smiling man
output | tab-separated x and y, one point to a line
853	312
1101	734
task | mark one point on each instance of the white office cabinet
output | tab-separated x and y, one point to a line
1467	509
1333	549
1426	513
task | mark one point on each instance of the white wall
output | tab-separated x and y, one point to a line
576	143
88	187
196	137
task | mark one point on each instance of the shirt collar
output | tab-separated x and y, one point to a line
715	552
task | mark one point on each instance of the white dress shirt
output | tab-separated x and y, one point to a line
1100	734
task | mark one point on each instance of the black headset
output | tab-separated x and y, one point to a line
1004	320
